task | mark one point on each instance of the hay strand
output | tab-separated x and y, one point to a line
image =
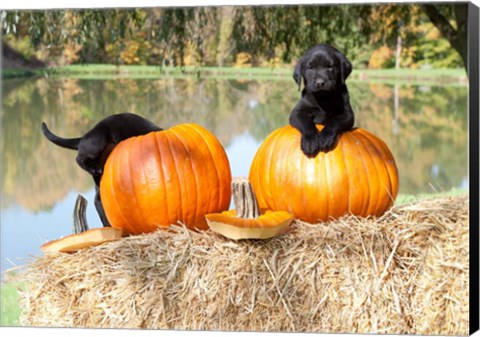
406	272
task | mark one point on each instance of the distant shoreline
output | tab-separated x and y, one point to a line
105	71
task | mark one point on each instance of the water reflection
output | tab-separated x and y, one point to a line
425	127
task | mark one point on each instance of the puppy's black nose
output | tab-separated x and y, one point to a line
96	171
319	83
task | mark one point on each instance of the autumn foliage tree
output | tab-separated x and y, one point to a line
207	36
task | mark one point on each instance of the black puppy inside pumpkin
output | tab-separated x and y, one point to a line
325	99
94	147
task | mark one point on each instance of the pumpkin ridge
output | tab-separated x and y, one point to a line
381	164
139	143
392	173
190	133
366	141
280	204
261	193
386	187
115	164
272	158
376	154
335	168
390	189
326	158
217	174
301	181
277	153
122	212
262	199
192	171
136	195
161	169
208	171
366	201
390	160
289	148
344	144
301	177
174	160
122	185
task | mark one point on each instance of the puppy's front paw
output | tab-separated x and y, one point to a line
310	145
320	119
326	141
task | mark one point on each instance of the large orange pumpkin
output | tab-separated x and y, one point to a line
155	180
358	177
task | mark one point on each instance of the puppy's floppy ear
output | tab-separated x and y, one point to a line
345	66
297	73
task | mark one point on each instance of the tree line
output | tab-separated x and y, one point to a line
375	36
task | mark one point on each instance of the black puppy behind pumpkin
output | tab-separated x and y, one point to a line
95	146
325	98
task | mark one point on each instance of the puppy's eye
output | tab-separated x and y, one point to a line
309	66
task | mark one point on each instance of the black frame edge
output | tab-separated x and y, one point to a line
473	76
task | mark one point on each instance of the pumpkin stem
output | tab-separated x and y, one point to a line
244	199
79	215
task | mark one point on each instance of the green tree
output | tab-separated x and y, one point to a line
452	22
91	29
351	28
387	22
212	35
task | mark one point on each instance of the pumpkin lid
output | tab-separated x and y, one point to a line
246	222
265	226
74	242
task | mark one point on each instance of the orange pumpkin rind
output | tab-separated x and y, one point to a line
90	238
266	226
246	221
359	176
176	175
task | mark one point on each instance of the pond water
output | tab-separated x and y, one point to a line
424	126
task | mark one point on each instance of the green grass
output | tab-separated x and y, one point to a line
412	198
20	73
456	77
411	73
9	305
109	71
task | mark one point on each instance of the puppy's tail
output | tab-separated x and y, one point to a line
69	143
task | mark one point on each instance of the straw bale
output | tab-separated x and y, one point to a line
406	272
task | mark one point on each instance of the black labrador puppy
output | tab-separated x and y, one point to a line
95	146
325	98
